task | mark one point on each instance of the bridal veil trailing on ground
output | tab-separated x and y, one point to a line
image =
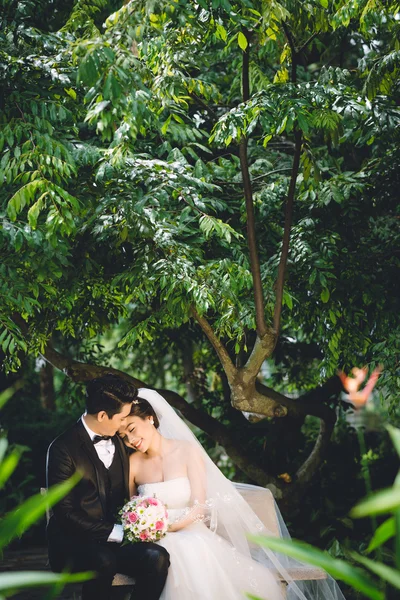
227	514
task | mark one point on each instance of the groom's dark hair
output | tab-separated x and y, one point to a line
109	393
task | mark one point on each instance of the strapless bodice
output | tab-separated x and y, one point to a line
174	493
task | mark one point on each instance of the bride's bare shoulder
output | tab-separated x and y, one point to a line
135	459
186	448
178	447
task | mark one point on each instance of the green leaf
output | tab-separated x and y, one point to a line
71	92
164	127
221	32
19	520
34	211
288	300
3	447
324	3
386	573
22	197
27	579
4	345
394	433
339	569
379	503
8	393
325	295
242	41
8	466
303	123
97	109
383	533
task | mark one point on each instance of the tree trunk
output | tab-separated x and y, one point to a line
47	393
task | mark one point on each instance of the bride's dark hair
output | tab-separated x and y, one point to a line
141	408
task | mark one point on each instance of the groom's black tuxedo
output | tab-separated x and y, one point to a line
82	521
87	511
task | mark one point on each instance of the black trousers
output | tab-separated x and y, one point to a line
146	562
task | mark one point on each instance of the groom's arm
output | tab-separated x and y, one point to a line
72	519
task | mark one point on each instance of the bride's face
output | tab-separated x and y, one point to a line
137	433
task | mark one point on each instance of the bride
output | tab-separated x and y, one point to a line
211	557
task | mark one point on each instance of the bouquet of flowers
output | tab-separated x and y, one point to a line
144	519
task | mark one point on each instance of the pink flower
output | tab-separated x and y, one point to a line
159	525
132	517
143	536
152	501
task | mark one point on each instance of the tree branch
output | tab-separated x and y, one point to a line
286	234
289	37
271	173
297	51
262	349
186	348
218	346
81	372
253	179
248	194
308	41
301	406
292	45
204	105
311	465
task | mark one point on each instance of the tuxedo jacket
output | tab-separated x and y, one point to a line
82	513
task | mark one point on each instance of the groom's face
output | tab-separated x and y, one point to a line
109	426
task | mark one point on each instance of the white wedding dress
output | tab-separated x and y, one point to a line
213	559
203	565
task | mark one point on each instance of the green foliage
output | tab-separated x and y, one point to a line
122	201
16	522
335	567
121	187
379	502
22	580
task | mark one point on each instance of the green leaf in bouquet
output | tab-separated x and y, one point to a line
20	519
339	569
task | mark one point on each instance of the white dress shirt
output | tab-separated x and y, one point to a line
105	451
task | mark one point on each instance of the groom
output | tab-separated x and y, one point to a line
82	532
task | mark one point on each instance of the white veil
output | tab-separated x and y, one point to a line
234	510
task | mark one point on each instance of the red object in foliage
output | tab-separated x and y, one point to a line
352	384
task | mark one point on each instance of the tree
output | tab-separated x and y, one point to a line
213	172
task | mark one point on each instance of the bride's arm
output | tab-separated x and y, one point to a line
197	476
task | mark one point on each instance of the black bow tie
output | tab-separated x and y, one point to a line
100	438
